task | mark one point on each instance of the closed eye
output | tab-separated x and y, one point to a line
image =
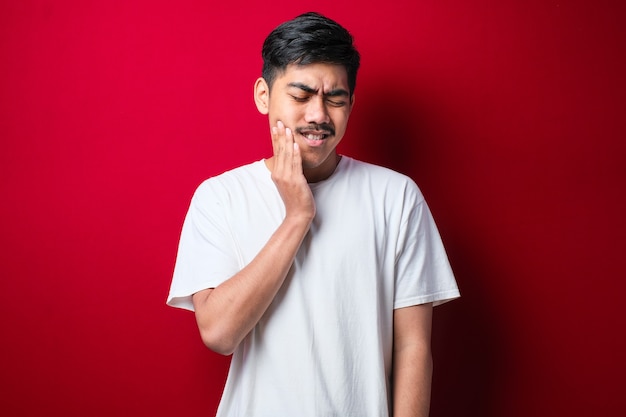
300	99
336	103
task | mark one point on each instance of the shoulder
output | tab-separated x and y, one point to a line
367	169
382	179
228	182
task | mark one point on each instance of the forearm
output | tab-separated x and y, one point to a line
227	313
412	376
412	361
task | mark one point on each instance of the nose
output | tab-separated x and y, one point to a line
316	111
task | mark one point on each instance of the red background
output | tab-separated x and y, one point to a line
509	114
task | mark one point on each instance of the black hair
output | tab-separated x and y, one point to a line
308	39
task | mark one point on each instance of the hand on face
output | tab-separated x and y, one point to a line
288	176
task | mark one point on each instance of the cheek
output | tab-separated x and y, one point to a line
286	114
341	121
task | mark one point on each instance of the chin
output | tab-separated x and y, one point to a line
315	162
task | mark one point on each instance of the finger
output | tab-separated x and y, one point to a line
277	142
280	132
289	149
296	162
297	159
289	138
283	147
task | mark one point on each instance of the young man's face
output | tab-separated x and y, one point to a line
314	102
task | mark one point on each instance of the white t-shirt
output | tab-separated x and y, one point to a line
324	346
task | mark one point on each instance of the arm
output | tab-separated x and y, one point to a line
227	313
412	361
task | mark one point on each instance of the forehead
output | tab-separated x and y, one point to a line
318	76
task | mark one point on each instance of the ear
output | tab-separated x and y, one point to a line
351	102
261	95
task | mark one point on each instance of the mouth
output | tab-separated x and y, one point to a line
314	139
316	136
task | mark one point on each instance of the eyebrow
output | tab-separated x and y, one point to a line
337	92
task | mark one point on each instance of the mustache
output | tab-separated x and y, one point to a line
319	127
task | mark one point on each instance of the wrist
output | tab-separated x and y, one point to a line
299	220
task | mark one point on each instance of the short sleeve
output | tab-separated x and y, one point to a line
207	255
423	272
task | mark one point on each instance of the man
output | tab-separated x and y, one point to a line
317	271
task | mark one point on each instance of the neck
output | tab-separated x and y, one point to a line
322	171
314	174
